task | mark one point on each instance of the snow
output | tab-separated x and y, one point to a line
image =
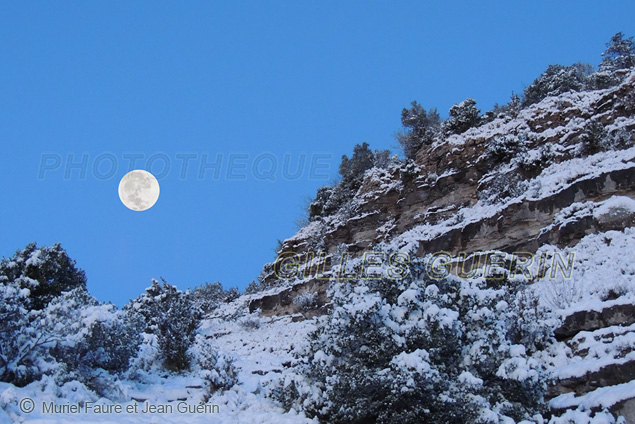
614	203
469	378
606	261
259	355
603	396
417	361
35	259
553	180
264	349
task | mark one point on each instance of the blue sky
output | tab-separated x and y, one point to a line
272	92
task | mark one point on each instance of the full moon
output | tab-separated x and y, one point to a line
139	190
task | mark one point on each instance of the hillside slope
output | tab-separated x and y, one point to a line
542	183
551	187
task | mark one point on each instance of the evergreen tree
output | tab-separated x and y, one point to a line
558	79
172	316
330	199
423	350
421	128
352	170
619	54
206	298
463	116
45	272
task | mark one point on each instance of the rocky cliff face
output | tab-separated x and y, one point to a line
557	173
503	185
461	196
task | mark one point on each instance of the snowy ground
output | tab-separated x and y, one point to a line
259	355
263	348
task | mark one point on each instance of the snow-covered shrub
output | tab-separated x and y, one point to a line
111	344
173	317
51	326
557	79
209	296
450	351
503	148
19	338
88	343
252	288
69	339
603	79
586	416
502	187
596	138
294	390
216	368
593	138
463	116
509	110
44	272
104	384
534	160
408	171
560	294
420	127
620	139
33	339
147	358
331	199
619	54
250	322
306	301
352	169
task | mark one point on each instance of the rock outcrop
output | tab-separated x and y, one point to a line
602	361
459	197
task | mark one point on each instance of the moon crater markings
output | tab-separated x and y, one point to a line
139	190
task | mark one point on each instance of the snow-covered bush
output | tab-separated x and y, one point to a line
43	272
51	326
534	160
450	351
596	138
620	139
216	368
306	301
463	116
33	318
619	54
586	416
209	296
420	127
112	343
71	338
173	317
593	138
252	288
557	79
503	148
502	187
147	358
251	321
509	110
560	294
331	199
